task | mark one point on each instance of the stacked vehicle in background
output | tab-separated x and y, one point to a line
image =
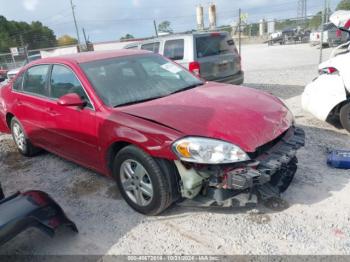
289	36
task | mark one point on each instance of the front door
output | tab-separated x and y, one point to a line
73	131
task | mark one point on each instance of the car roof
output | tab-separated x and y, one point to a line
175	36
91	56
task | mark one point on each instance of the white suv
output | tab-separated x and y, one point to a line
211	55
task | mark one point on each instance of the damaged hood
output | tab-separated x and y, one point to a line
243	116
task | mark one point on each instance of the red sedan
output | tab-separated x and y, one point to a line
163	134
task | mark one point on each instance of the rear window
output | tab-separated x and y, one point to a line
174	49
154	47
214	44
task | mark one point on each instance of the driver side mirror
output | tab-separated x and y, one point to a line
71	99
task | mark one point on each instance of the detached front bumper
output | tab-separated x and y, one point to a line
269	173
30	209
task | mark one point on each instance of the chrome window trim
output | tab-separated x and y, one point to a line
50	72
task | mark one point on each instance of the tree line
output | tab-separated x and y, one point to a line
34	35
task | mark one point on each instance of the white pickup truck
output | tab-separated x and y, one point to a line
331	36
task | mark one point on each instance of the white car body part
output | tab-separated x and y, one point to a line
340	18
328	91
322	95
191	181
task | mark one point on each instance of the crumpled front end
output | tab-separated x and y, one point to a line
269	173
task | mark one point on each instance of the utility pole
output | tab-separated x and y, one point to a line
302	12
328	9
155	27
24	46
239	29
322	29
75	20
84	34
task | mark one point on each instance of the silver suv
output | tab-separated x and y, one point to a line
210	55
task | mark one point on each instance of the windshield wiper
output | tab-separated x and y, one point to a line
138	101
187	88
153	98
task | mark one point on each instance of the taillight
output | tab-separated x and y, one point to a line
339	33
195	68
328	71
215	34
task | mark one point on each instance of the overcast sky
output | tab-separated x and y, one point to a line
106	20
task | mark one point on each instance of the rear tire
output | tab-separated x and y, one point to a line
142	182
24	145
344	116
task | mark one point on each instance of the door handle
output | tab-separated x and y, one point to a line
52	112
18	102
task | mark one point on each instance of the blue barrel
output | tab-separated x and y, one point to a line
339	159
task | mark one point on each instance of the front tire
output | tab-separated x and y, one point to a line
344	116
24	145
141	181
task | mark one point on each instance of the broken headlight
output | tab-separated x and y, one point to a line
208	151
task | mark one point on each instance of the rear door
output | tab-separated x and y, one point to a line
217	55
31	101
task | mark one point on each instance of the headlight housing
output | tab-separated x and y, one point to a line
208	151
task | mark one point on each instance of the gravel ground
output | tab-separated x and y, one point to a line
315	223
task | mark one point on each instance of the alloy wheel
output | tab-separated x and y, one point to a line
19	137
136	182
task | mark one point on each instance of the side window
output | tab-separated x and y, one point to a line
35	80
17	85
154	47
174	49
64	81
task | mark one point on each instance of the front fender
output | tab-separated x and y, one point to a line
30	209
323	94
154	138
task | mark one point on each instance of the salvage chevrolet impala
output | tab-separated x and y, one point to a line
163	134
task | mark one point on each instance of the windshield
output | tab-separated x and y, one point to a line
132	79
